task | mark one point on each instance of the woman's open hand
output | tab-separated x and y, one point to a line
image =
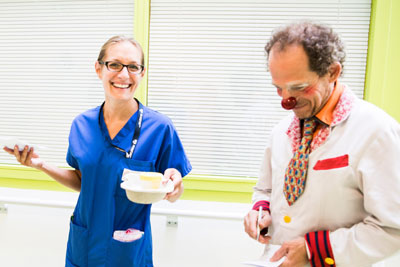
26	157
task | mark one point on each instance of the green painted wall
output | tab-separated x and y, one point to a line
196	187
141	34
383	65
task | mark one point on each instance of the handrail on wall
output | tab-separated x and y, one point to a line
155	211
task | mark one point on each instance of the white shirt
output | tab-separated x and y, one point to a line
359	204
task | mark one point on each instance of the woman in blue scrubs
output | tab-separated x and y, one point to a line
119	134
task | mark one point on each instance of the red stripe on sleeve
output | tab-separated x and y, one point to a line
320	249
263	203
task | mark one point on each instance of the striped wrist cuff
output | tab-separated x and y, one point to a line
321	254
262	203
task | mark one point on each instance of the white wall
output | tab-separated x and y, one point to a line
199	242
36	236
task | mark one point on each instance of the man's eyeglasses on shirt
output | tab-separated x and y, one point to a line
116	66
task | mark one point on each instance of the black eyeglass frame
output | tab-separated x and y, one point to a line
123	66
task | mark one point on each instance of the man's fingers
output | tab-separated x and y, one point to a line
251	221
282	251
265	220
264	239
250	224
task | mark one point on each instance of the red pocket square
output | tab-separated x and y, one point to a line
332	163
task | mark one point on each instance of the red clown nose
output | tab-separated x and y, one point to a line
289	103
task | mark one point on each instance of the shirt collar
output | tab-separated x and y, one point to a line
128	129
325	115
340	113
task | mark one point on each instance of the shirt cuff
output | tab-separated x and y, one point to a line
308	250
320	249
262	203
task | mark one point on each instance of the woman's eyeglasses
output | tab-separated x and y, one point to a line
116	66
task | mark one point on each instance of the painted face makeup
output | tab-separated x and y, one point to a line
290	102
309	89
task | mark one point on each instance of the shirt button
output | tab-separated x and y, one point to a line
329	261
287	219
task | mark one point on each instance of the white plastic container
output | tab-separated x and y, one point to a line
145	191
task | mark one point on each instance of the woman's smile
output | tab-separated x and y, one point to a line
121	85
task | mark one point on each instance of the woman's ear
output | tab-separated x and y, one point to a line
97	67
334	71
143	72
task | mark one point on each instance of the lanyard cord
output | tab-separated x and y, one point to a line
136	134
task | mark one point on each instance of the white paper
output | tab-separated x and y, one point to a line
264	260
10	142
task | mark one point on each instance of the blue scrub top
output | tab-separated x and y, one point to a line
102	205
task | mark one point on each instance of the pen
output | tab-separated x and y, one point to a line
258	222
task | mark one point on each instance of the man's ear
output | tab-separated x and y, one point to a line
334	71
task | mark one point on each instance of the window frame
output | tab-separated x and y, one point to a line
228	189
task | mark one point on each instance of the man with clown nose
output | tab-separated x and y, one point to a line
328	186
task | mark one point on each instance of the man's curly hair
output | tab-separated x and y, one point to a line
322	46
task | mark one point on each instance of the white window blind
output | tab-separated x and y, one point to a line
47	76
207	71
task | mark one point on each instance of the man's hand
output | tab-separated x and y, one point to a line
176	177
295	252
250	225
